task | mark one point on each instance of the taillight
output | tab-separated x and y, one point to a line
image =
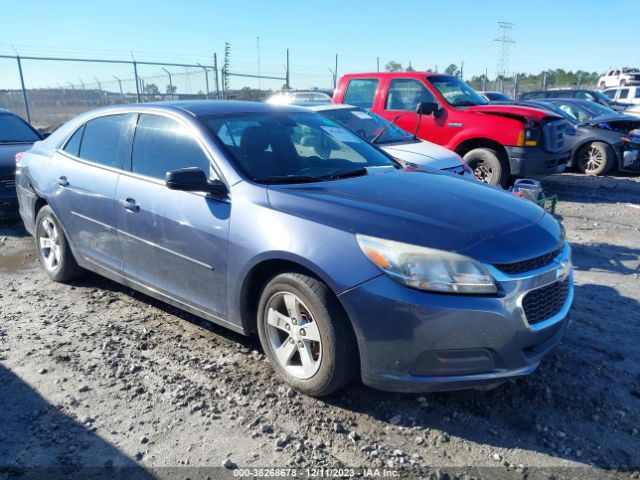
18	157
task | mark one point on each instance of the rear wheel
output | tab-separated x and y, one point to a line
486	166
595	158
53	248
305	335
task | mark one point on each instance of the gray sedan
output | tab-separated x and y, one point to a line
600	138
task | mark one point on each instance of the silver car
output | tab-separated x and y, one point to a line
392	139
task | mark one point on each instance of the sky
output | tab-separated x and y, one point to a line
581	34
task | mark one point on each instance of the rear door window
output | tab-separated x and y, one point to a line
73	144
361	92
406	94
624	93
162	144
103	140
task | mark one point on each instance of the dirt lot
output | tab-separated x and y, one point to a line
95	376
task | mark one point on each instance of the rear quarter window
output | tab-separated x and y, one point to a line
361	92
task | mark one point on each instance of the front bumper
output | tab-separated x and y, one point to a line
536	161
414	341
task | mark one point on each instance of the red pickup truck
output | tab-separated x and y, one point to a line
498	141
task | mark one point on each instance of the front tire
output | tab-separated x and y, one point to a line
53	248
486	166
306	335
595	158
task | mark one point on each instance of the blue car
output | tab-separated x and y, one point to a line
276	221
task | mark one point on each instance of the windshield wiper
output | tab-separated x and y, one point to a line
358	172
386	127
287	179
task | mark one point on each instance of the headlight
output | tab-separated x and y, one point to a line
426	268
528	137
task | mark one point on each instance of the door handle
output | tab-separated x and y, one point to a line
62	181
130	204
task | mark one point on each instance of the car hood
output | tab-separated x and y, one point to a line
623	123
432	209
8	156
518	112
423	153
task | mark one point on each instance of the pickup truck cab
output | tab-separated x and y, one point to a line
496	141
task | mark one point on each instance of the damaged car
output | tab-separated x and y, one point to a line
600	138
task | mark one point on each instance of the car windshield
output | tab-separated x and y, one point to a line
15	130
294	147
456	92
602	97
556	109
368	125
597	110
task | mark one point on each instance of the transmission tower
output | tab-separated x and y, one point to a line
504	43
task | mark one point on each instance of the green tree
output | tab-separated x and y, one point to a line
392	66
452	70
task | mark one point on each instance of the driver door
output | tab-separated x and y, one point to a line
401	100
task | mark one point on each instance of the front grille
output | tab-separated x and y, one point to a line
553	135
528	265
8	182
543	303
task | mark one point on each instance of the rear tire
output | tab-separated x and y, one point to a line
595	158
306	335
53	248
487	167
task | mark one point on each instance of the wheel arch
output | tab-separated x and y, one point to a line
469	144
584	143
259	274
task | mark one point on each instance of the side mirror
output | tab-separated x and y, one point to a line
427	108
194	180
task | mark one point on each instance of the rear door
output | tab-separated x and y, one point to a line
173	242
84	174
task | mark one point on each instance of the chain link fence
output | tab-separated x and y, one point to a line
48	91
515	86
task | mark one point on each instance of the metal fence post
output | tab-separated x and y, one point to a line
287	76
206	80
215	68
135	73
24	90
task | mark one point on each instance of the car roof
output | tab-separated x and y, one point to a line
323	107
204	107
414	74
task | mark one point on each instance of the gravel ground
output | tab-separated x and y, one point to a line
98	377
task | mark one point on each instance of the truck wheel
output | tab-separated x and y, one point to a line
53	248
595	158
486	166
602	86
305	335
623	83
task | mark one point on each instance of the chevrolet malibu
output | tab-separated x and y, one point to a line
341	260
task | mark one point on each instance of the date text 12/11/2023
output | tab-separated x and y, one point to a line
317	472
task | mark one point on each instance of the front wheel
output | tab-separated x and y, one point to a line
486	166
305	334
595	158
53	248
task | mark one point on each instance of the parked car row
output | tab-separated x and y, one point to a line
278	221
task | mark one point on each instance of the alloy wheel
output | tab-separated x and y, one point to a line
591	158
50	247
293	335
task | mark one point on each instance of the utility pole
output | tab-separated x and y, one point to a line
259	77
504	43
24	90
335	75
225	70
170	82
